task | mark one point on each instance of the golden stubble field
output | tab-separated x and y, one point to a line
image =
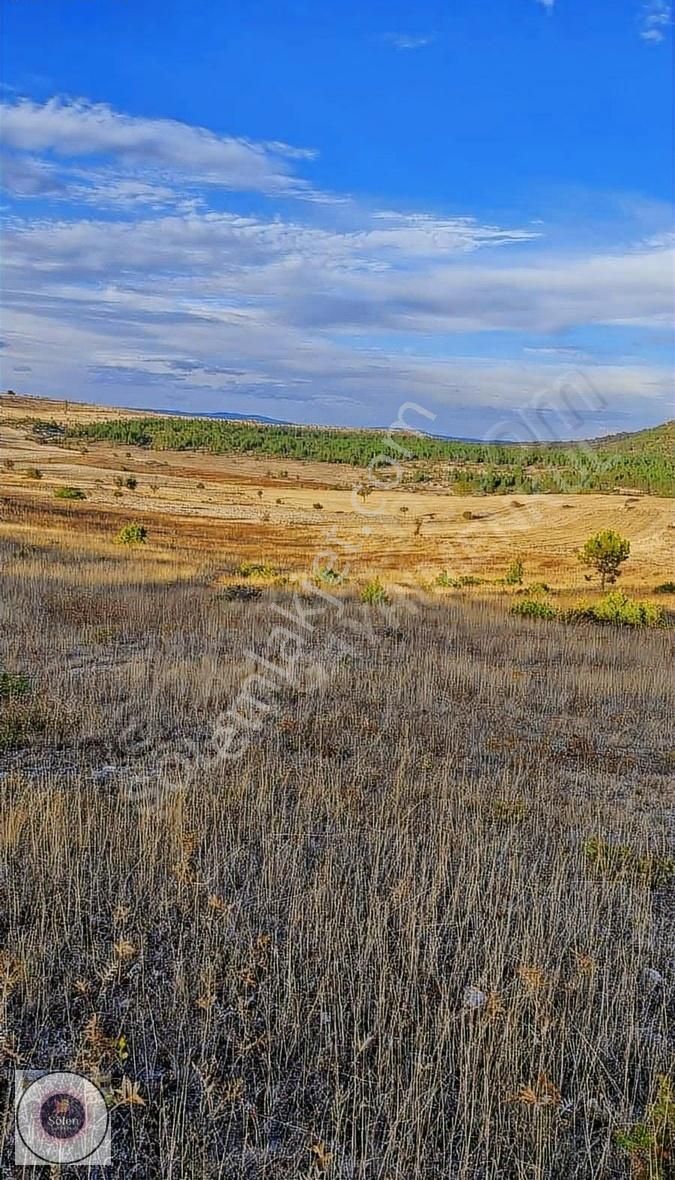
288	513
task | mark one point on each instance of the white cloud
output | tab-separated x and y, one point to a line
408	40
77	130
26	176
228	246
211	305
549	5
656	17
132	281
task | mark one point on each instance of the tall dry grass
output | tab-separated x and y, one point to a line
380	946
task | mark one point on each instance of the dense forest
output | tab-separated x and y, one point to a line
644	461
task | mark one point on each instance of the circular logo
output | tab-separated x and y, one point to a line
62	1118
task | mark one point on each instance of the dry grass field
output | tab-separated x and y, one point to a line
285	512
325	889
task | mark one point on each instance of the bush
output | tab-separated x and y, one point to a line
650	1143
617	608
665	588
514	574
20	722
33	473
132	534
329	576
68	493
131	482
469	515
317	505
374	593
618	861
534	609
239	593
13	684
257	569
535	588
444	579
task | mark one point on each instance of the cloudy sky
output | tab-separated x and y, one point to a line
318	211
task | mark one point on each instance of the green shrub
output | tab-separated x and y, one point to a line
21	717
650	1144
317	505
329	576
534	609
514	574
445	579
257	569
535	588
619	609
33	473
132	534
665	588
618	861
65	492
18	726
374	593
131	482
13	684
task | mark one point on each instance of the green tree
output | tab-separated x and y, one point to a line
605	552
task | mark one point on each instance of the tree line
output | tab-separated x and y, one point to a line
642	463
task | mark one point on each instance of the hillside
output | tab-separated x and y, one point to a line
643	461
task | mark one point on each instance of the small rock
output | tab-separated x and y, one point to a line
652	977
474	998
101	775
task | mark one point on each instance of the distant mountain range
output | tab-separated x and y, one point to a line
228	415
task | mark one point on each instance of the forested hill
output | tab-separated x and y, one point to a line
644	461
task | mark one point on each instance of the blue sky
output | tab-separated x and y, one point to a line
318	212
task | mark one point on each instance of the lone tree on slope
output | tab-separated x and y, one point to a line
605	552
